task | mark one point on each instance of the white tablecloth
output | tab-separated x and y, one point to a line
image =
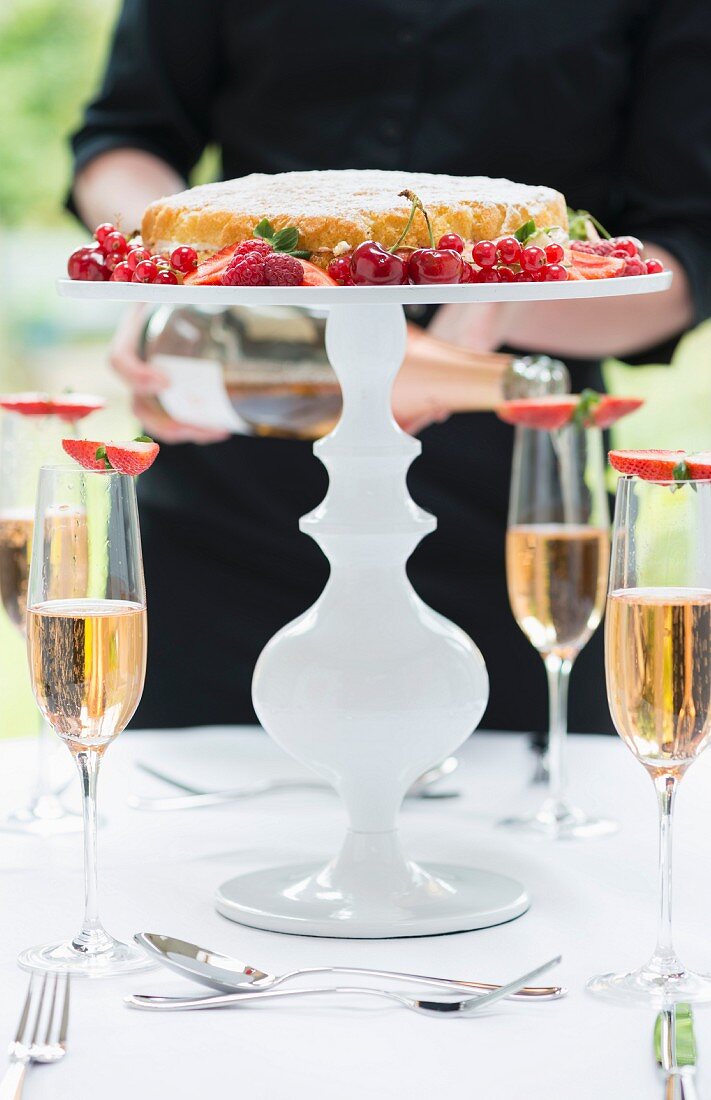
593	901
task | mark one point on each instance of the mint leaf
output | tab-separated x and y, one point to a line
286	239
589	400
264	229
102	456
525	231
143	439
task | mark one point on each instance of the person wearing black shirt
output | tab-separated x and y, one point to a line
609	102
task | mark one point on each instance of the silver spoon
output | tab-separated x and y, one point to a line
232	975
468	1006
195	796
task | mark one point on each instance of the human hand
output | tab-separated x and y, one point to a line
146	382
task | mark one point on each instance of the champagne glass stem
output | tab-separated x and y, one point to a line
665	960
558	673
92	937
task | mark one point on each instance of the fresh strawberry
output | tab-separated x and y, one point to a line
611	409
27	404
315	276
699	465
652	465
84	451
74	406
208	272
545	413
591	266
132	457
589	409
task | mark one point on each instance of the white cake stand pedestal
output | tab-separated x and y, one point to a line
369	687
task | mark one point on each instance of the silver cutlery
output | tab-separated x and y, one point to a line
28	1046
195	797
228	974
469	1006
675	1051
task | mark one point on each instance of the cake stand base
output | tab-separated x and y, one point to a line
371	892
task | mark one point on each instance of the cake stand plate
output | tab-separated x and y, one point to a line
369	687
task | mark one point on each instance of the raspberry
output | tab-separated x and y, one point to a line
597	248
257	244
245	270
282	270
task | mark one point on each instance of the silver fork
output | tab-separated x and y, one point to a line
467	1006
23	1050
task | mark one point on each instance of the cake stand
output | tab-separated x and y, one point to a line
370	687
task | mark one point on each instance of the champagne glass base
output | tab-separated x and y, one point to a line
114	959
46	815
558	820
648	986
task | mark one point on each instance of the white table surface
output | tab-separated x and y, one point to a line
593	901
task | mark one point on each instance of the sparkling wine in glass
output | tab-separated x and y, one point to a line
557	554
25	442
86	641
658	671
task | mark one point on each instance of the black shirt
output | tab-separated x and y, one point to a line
608	101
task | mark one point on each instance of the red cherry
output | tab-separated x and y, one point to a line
136	256
654	266
371	265
340	269
184	259
145	272
554	253
435	265
488	275
87	265
508	250
635	267
102	231
484	253
165	275
121	273
114	243
452	241
554	273
532	258
506	275
626	246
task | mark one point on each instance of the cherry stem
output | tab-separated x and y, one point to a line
416	205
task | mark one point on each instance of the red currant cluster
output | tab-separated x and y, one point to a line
503	261
113	256
622	248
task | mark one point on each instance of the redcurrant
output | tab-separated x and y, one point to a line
635	266
506	275
532	258
121	273
102	231
184	259
554	273
508	250
484	253
654	266
340	269
488	275
136	255
452	241
554	253
145	272
165	275
626	245
114	243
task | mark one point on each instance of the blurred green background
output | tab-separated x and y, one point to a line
51	55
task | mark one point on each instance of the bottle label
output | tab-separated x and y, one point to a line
196	394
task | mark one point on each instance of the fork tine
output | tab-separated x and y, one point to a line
25	1013
65	1014
43	990
50	1017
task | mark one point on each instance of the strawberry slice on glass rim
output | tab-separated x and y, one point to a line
131	457
651	465
549	413
27	404
75	406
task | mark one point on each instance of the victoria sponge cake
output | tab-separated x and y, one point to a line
337	210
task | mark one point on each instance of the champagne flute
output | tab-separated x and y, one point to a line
658	669
24	442
86	641
557	553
